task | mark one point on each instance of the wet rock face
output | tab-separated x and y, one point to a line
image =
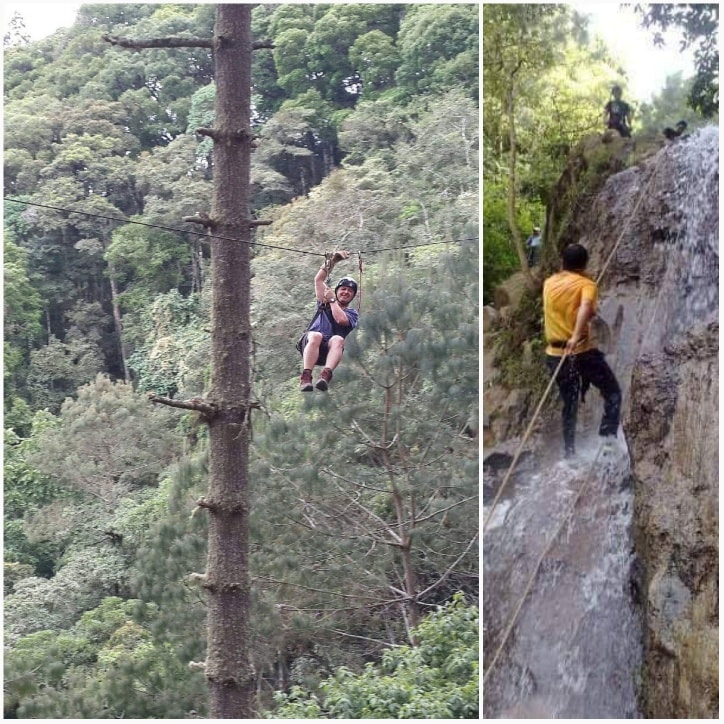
653	230
673	435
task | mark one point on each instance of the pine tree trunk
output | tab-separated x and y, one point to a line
118	325
228	669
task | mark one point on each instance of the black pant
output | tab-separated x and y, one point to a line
578	372
621	128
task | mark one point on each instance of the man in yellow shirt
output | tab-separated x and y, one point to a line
569	303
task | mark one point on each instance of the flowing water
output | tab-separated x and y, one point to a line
575	649
562	628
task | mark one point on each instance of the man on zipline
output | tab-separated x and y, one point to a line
323	342
569	303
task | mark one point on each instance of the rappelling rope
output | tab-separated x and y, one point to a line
560	364
586	479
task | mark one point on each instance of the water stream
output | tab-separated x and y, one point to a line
575	649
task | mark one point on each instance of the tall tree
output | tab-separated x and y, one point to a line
517	47
227	408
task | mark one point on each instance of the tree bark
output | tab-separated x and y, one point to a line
513	181
228	670
118	325
230	678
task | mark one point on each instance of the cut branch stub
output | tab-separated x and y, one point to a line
203	219
207	409
260	222
159	42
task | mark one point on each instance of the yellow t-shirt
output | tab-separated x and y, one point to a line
563	294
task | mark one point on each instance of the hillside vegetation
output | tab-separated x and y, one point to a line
364	501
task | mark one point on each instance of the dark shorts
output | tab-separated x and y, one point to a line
323	349
624	131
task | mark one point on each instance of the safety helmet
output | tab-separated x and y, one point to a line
346	282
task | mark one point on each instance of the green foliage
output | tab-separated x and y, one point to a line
24	487
438	46
22	308
437	679
102	615
174	355
699	25
26	490
102	445
80	584
667	108
104	666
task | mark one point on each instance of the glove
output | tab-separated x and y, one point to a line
340	256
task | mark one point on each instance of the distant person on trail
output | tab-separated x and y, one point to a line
618	113
323	341
533	244
570	300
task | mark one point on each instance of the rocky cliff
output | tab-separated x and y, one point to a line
652	232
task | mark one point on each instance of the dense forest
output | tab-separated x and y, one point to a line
364	527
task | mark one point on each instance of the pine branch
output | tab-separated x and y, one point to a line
365	638
366	535
315	590
159	42
444	510
208	409
450	569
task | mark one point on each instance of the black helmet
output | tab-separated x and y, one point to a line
615	89
346	282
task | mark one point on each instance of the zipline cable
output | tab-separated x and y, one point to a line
226	238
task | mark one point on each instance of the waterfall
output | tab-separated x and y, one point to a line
575	647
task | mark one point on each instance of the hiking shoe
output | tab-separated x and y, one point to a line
306	381
325	377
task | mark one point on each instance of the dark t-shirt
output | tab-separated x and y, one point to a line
329	328
617	112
